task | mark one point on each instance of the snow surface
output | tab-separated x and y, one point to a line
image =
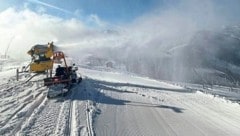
129	105
114	103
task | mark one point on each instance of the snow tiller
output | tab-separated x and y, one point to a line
65	77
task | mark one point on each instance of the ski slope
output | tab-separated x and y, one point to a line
139	106
113	103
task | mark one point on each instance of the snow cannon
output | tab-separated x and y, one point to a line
41	57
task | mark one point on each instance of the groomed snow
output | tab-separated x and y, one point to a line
114	103
130	105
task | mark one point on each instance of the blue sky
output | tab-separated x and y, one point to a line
117	11
109	10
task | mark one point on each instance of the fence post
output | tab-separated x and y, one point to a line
17	76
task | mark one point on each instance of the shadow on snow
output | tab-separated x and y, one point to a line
173	108
105	83
90	89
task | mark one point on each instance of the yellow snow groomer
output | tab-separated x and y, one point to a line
41	57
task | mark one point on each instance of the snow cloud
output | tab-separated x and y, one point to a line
155	32
29	28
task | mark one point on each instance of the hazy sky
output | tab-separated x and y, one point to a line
84	23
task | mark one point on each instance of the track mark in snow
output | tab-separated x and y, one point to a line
29	112
64	119
89	112
87	104
76	112
73	119
79	116
89	119
21	114
69	130
71	123
45	120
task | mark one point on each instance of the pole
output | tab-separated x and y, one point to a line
17	76
5	55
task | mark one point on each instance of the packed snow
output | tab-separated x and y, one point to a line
110	102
